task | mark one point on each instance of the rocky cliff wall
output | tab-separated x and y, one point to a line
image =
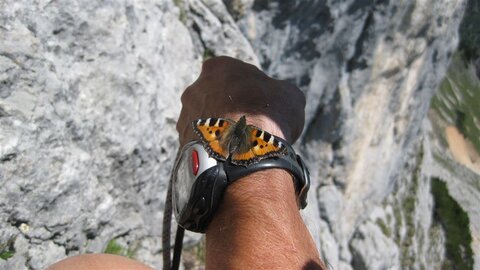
89	96
369	70
89	100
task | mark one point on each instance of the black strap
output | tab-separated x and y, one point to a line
167	223
177	251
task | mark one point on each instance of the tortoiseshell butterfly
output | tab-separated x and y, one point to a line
241	143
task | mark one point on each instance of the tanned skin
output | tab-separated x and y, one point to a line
258	224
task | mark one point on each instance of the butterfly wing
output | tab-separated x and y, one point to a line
262	145
210	131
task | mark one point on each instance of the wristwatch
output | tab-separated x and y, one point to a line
199	182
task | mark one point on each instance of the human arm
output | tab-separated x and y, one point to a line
258	224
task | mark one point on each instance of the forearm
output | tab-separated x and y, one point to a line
258	226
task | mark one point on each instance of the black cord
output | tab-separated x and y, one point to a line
177	251
167	221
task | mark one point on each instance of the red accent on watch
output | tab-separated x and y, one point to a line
195	162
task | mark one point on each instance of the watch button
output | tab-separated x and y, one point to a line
200	206
195	162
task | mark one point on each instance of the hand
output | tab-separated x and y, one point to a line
230	88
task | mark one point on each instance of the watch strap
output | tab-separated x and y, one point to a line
290	162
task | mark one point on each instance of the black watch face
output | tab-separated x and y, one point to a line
194	160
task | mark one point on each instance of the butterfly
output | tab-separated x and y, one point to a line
242	144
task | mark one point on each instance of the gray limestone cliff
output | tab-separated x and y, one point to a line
90	93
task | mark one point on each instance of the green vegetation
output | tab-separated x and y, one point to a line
385	229
408	208
114	248
398	223
183	13
455	223
404	208
457	103
7	250
458	98
208	53
5	255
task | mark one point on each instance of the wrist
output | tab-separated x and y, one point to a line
256	194
261	196
263	187
259	213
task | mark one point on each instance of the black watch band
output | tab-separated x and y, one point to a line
291	162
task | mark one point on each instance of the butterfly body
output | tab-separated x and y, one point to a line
236	137
241	143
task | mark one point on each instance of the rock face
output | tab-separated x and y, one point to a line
89	101
89	97
369	70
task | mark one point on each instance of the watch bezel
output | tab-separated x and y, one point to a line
205	163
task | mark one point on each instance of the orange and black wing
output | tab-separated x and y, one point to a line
262	145
210	131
